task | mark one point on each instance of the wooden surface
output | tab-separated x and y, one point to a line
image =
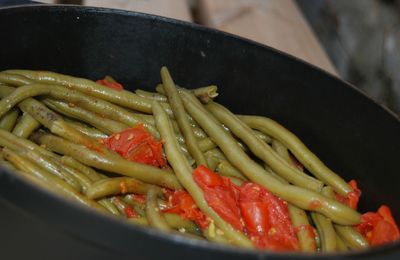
277	23
177	9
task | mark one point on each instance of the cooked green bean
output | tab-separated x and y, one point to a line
106	125
262	150
181	117
302	153
122	206
153	213
151	95
8	120
225	168
212	160
86	129
282	151
92	104
25	126
116	186
109	163
65	189
123	97
348	234
341	246
302	198
206	144
52	121
14	79
326	232
205	94
89	172
183	172
108	205
183	225
32	152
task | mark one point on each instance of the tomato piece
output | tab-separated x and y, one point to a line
386	214
378	227
352	197
138	145
130	212
266	219
220	194
181	203
110	83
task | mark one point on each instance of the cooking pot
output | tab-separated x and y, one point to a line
351	133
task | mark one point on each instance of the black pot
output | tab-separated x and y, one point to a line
351	133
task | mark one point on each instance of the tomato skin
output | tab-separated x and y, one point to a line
220	194
138	145
379	227
266	219
352	197
181	203
110	83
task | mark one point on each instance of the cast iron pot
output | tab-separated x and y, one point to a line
351	133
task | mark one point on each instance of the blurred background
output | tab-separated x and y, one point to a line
356	40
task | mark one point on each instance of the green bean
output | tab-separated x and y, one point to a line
348	234
300	197
53	121
206	144
214	234
51	166
62	187
326	232
151	95
123	97
183	225
235	180
174	221
212	161
108	205
299	217
302	153
282	151
341	246
8	121
116	186
92	104
86	129
262	150
153	214
122	207
105	125
300	222
89	172
25	175
181	117
137	205
25	126
351	237
14	79
183	172
109	163
205	94
225	168
41	160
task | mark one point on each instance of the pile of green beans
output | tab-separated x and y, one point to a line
51	126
